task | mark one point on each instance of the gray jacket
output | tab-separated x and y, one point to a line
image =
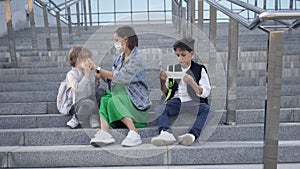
81	86
132	74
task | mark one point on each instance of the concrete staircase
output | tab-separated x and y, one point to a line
33	134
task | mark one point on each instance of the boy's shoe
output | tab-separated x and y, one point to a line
102	138
165	138
73	123
186	139
132	139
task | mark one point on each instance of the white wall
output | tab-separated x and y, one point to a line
20	18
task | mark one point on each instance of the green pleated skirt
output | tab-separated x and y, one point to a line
117	104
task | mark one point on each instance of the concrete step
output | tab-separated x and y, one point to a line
241	79
29	86
259	91
28	108
43	64
27	97
205	166
67	136
243	101
40	118
34	70
50	77
87	156
42	59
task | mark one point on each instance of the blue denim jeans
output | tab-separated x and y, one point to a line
174	106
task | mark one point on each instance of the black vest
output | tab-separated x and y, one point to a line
195	72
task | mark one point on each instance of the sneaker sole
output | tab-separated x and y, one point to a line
131	145
78	126
99	144
162	142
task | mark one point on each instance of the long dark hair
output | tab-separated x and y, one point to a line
127	31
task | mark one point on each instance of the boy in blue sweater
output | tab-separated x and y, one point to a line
187	92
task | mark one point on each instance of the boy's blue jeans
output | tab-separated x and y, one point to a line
174	106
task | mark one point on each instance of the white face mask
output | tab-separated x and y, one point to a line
119	47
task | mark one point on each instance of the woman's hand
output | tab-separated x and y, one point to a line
92	64
97	77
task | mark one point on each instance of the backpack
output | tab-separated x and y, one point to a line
64	99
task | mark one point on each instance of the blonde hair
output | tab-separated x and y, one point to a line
78	52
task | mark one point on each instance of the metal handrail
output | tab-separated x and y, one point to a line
263	15
248	6
55	6
273	15
245	22
178	3
65	5
40	2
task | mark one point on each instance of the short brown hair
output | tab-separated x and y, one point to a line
127	31
78	52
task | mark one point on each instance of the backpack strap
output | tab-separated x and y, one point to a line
171	83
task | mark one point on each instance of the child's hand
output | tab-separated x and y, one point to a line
163	77
87	68
188	79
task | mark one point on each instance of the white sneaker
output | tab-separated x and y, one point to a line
102	138
132	139
73	123
186	139
165	138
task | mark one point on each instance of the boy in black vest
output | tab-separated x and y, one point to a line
186	93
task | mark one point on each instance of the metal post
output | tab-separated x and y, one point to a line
276	4
272	112
192	16
46	24
78	19
291	4
90	11
84	13
173	13
265	4
213	25
255	4
32	25
59	33
200	14
11	35
188	18
179	17
70	26
231	92
184	22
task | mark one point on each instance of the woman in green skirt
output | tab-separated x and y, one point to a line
127	103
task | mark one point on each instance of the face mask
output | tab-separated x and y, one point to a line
119	47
